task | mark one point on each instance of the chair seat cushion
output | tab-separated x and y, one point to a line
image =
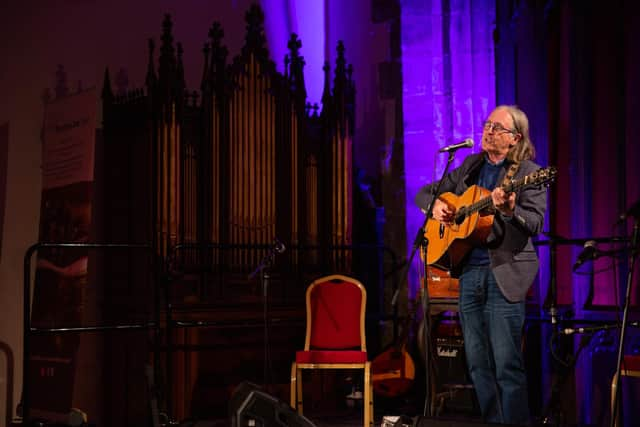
631	362
330	356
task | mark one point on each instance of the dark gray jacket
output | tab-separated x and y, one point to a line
514	261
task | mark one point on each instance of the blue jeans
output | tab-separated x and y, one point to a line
492	330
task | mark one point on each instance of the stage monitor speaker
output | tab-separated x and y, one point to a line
251	406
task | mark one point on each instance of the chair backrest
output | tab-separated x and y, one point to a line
335	314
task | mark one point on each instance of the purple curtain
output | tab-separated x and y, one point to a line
574	66
448	89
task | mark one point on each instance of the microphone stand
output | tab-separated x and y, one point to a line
550	413
625	313
551	301
263	269
422	241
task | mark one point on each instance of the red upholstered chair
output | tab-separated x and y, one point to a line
335	337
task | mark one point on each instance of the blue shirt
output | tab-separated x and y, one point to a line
488	179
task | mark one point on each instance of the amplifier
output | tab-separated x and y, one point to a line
451	365
454	388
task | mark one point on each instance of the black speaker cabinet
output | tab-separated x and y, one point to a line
451	361
251	406
455	393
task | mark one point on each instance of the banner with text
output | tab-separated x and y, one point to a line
61	273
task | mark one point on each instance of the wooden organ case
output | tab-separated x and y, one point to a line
210	178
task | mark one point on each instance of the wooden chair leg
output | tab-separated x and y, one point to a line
371	412
299	391
613	392
368	396
293	384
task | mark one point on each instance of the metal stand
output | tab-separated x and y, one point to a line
625	314
421	241
552	413
263	268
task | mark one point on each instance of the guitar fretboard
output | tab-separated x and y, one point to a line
487	202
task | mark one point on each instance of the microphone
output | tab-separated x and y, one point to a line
588	329
553	312
589	252
278	246
571	331
467	143
633	211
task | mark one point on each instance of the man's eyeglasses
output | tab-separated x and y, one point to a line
490	126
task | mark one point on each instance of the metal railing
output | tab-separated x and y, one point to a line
166	273
29	330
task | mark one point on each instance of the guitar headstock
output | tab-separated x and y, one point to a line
541	176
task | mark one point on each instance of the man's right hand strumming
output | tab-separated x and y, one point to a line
442	212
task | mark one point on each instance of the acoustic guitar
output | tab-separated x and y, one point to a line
393	371
473	218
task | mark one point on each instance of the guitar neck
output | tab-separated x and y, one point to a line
487	202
